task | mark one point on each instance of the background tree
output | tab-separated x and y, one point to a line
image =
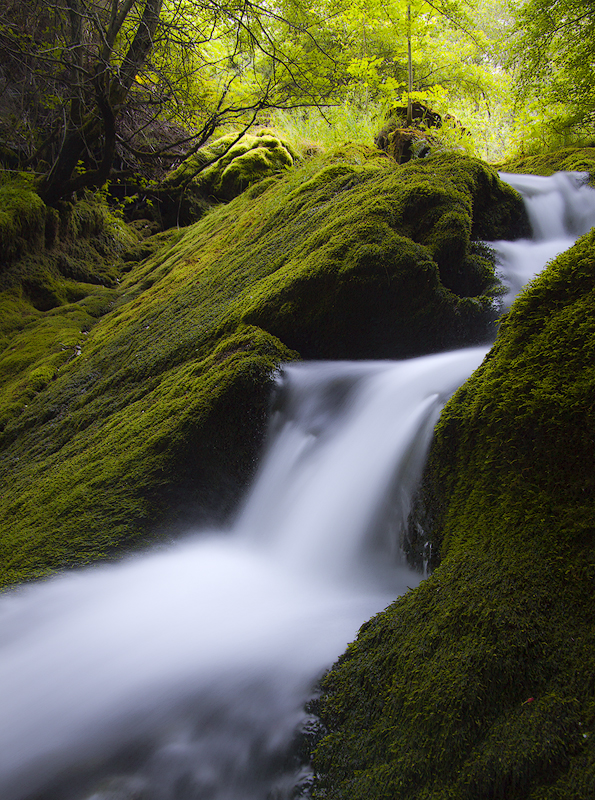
455	60
90	89
87	82
554	61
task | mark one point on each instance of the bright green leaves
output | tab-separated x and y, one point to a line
554	55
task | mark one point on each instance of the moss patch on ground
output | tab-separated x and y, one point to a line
479	683
136	399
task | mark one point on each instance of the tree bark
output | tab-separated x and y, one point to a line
111	87
409	68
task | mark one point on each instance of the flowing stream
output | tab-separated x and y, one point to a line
182	673
561	208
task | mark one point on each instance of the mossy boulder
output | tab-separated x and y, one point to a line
223	169
23	219
136	406
572	159
479	683
406	276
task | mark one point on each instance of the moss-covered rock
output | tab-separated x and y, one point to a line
579	159
223	169
23	220
140	404
402	278
479	683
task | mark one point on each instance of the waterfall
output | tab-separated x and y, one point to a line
182	673
560	208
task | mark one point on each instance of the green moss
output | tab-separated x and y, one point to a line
139	251
223	170
37	346
22	219
387	282
141	403
58	276
111	468
479	684
580	159
464	688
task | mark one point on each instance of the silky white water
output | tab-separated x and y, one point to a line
201	655
182	673
561	207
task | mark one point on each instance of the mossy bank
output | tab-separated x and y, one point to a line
570	159
480	683
134	400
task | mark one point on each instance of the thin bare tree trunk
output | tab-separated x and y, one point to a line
410	69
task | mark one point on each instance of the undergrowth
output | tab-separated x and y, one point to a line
579	159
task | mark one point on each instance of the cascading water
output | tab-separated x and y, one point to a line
192	663
560	208
182	673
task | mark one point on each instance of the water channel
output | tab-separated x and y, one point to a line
182	673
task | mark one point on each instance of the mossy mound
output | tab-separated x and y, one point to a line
479	683
572	159
218	172
225	168
367	260
142	404
22	219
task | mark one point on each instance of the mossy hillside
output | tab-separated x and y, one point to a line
36	345
58	275
104	471
480	682
146	418
52	257
471	686
544	409
125	431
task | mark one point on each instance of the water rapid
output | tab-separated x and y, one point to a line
182	673
560	207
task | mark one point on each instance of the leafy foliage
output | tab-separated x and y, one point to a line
555	73
89	84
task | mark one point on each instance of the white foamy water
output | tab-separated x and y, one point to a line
561	208
182	674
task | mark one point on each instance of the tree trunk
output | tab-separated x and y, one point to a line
410	69
111	87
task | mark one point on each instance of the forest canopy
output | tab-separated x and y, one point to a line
92	89
555	63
